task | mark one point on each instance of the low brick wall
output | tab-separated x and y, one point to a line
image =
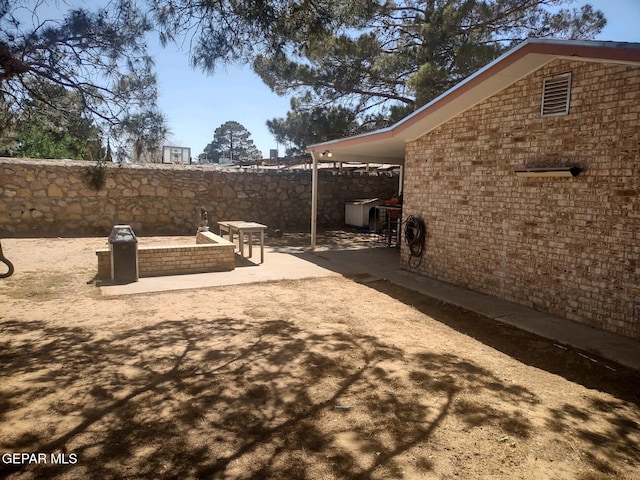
210	253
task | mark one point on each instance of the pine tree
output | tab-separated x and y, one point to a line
231	142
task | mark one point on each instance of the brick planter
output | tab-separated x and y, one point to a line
210	253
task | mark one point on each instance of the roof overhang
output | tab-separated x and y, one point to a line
388	145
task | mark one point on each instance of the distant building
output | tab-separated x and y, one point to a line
176	155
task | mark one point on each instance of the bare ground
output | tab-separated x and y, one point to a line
314	379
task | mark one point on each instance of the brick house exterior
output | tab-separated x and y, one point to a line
569	246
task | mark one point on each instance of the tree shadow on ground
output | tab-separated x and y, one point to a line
330	239
232	398
616	437
528	348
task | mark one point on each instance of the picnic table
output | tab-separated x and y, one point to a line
244	229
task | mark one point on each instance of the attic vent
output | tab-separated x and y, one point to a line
556	92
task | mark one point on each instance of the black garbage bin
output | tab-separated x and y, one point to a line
123	246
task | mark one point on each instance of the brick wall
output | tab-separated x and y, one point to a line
567	246
51	197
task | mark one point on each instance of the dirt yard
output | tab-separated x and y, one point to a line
315	379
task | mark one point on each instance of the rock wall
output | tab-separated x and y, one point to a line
54	198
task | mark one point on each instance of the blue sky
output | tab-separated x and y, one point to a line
196	104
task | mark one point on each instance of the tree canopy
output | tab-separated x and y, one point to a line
100	56
303	127
232	142
375	57
365	61
42	131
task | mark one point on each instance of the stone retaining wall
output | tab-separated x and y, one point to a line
53	198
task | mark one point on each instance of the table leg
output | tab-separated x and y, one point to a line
262	245
250	244
229	231
241	240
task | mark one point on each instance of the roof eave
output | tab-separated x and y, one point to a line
521	60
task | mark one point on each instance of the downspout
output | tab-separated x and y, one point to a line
314	200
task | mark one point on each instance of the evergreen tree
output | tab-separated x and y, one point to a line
57	128
377	57
305	126
100	56
231	142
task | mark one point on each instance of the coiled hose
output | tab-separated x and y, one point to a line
6	261
414	233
